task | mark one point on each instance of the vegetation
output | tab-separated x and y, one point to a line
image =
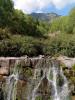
21	35
64	24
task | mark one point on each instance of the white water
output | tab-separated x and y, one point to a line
11	83
65	89
50	73
37	85
58	95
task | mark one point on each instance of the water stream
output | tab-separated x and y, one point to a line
48	83
55	77
12	82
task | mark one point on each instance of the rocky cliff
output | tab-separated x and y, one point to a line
26	67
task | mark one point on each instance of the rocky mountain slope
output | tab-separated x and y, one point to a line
45	16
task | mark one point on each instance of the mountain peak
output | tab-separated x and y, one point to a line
44	16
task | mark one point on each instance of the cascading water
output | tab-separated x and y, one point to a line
12	82
48	82
55	77
54	70
65	89
37	85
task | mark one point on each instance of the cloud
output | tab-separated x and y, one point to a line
29	6
59	4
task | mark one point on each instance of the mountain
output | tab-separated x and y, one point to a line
44	16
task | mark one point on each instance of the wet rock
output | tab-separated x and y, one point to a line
26	77
1	94
2	78
4	67
68	62
22	90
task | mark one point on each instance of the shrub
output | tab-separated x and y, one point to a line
4	34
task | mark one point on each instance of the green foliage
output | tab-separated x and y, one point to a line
72	17
55	25
4	34
6	11
61	44
19	45
73	67
74	30
23	24
18	22
60	24
21	35
43	27
64	24
39	98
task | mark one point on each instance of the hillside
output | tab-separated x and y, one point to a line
21	34
44	16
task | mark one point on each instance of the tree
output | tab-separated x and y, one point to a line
71	21
6	10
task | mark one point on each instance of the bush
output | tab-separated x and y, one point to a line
4	34
20	46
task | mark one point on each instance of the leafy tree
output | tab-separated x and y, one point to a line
4	34
6	10
72	19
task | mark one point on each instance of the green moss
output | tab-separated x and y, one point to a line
38	98
73	67
27	72
49	98
62	65
72	79
24	70
60	81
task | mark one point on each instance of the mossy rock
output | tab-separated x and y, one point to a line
73	67
27	72
38	98
62	65
72	79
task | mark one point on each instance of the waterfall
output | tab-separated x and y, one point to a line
12	82
54	70
37	85
47	83
55	77
65	89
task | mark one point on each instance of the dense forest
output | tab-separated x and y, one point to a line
21	34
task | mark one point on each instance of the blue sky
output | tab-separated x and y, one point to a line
63	11
61	7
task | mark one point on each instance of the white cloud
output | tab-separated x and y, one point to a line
59	4
29	6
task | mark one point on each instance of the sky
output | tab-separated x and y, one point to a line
61	7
